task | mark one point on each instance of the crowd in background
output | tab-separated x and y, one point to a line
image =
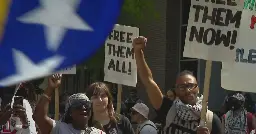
93	112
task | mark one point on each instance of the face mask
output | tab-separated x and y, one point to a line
236	105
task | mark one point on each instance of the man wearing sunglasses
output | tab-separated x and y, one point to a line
183	114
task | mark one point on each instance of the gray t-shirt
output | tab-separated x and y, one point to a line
64	128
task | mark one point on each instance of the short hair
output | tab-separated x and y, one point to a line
185	72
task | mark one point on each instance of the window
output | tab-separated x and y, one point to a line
185	11
190	65
185	16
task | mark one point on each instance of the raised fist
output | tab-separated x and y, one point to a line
54	81
139	43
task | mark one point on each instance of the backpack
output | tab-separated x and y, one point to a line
172	113
146	125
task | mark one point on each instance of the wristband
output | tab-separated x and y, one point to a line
47	97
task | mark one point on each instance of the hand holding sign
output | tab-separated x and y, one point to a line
139	43
54	81
120	65
202	130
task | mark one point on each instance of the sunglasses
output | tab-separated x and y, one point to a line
187	86
81	104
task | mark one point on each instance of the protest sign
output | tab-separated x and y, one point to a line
212	29
240	76
120	65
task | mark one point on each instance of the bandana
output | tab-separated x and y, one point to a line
74	100
236	123
189	112
239	97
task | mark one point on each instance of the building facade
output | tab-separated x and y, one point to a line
164	54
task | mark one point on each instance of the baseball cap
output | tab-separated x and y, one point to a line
142	109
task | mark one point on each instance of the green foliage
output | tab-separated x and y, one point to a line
140	10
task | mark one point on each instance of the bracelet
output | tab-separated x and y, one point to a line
47	97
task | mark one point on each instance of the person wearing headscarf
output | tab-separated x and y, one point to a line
76	115
237	120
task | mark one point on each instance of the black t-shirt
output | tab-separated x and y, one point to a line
122	127
179	126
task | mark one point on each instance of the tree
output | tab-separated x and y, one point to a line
139	9
133	9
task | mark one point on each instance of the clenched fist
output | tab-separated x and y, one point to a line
54	81
139	43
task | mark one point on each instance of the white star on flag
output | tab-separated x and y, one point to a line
27	70
57	16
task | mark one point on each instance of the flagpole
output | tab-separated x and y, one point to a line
119	98
4	9
207	81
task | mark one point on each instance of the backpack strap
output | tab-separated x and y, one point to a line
146	125
209	118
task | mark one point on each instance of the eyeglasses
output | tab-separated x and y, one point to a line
188	86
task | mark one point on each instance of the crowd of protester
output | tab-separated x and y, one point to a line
93	112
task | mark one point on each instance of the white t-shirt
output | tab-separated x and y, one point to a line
148	127
64	128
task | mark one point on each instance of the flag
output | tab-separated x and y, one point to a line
43	36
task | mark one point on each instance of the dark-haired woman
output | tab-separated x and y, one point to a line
103	115
171	95
77	113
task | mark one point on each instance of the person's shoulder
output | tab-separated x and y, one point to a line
96	131
249	114
215	117
148	129
165	106
120	117
216	122
150	122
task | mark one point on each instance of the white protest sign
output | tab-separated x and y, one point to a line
68	70
212	29
120	65
240	76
